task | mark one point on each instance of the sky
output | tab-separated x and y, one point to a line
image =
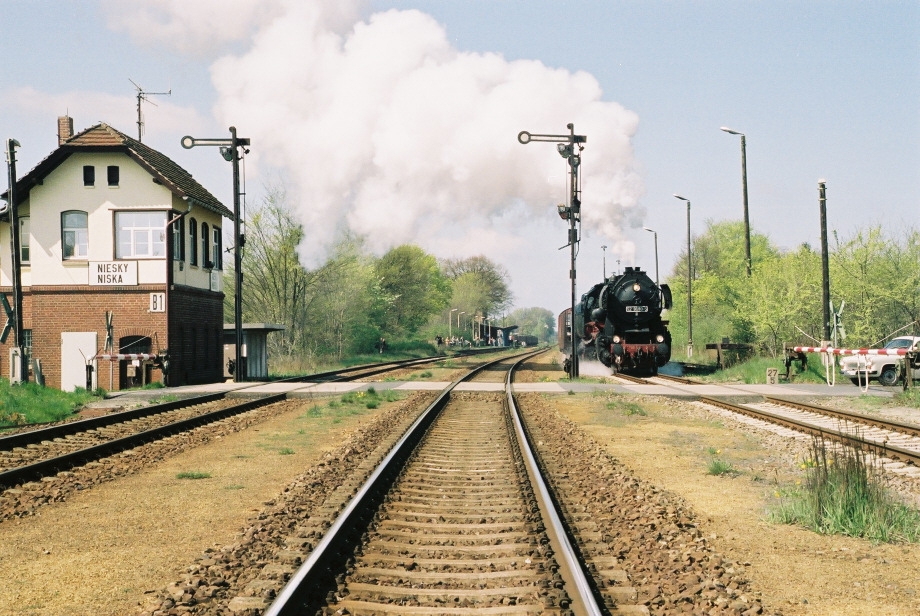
398	119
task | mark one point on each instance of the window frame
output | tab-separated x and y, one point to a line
76	244
193	241
205	246
137	231
24	243
217	248
178	239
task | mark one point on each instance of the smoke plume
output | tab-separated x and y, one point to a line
382	127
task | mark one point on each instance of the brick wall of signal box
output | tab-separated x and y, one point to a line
196	325
49	311
195	338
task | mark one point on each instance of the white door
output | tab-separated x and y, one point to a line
76	348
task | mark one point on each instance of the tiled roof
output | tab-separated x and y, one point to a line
104	137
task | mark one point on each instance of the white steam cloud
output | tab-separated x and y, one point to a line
383	127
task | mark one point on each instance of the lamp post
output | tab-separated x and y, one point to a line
230	151
450	320
689	284
744	192
458	319
656	251
604	248
569	147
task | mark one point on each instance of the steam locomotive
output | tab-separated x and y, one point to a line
618	323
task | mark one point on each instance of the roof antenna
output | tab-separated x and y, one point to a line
142	96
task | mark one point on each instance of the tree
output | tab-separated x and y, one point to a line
415	286
348	306
879	278
538	322
784	299
480	286
720	284
275	283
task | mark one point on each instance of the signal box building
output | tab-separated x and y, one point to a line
122	265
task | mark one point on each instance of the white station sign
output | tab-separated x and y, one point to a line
112	273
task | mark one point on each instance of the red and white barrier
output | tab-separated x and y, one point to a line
833	351
120	356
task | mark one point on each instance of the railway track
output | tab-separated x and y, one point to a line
26	448
896	441
887	439
34	454
456	519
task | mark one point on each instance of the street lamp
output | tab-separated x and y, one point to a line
689	283
566	146
450	320
458	319
656	251
604	248
747	223
230	151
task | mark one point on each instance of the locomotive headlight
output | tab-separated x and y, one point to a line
616	340
637	287
659	338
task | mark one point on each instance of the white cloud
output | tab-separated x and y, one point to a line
383	126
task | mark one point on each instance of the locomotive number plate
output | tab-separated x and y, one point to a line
637	309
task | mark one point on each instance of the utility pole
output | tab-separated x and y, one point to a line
825	268
16	244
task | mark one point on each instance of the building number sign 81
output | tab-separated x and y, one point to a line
157	302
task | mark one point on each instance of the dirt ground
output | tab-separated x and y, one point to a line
796	571
99	552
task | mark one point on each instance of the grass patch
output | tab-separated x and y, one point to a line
626	408
365	398
28	403
286	451
909	397
193	475
164	399
718	466
754	371
845	493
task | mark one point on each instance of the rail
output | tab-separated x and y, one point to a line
333	549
